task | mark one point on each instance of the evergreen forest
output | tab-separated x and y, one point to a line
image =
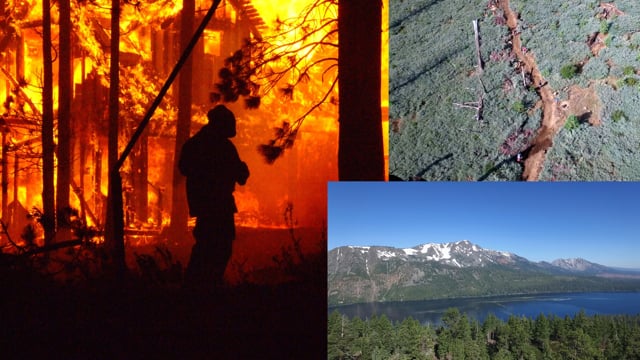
459	337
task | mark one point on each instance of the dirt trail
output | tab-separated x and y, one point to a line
552	116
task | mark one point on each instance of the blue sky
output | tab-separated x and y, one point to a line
540	221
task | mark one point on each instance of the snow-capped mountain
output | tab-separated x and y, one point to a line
384	273
461	254
579	265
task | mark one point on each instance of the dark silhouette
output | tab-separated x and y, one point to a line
212	166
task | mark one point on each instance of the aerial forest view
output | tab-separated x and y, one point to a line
164	169
514	90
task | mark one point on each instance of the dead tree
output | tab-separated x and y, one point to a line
114	231
65	87
48	146
179	209
360	150
476	105
479	104
477	37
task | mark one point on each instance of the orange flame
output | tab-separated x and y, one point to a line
299	177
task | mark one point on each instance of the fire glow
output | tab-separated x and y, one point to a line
149	47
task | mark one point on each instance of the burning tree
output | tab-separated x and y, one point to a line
304	52
73	102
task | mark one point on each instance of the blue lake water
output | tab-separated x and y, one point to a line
430	311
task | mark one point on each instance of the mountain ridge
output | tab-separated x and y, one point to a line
461	268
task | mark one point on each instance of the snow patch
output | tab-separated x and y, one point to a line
442	251
410	251
385	254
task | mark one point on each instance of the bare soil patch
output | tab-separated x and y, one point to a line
596	43
585	104
552	119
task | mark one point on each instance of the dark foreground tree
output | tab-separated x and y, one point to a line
114	230
48	146
179	210
65	86
360	152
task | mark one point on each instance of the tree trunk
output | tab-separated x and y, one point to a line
5	176
65	88
114	228
179	210
360	147
48	146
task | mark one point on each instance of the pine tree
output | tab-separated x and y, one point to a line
541	332
381	335
411	339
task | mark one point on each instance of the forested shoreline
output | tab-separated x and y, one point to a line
545	337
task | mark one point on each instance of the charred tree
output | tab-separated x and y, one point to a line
360	148
65	83
114	231
48	146
179	209
5	174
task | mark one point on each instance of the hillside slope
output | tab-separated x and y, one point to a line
579	61
460	269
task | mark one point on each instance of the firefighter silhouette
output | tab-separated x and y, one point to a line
212	166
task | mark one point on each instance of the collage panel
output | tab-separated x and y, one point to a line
514	90
462	270
164	168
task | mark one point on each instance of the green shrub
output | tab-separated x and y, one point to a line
629	70
571	123
604	27
519	107
595	68
568	71
618	115
630	81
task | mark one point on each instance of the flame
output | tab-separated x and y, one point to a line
298	179
384	89
273	10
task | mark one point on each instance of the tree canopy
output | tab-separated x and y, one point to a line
545	337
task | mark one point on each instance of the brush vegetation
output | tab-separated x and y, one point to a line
433	65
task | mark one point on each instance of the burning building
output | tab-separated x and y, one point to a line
149	47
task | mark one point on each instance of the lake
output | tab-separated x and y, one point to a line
430	311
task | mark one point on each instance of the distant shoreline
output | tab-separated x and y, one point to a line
486	297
